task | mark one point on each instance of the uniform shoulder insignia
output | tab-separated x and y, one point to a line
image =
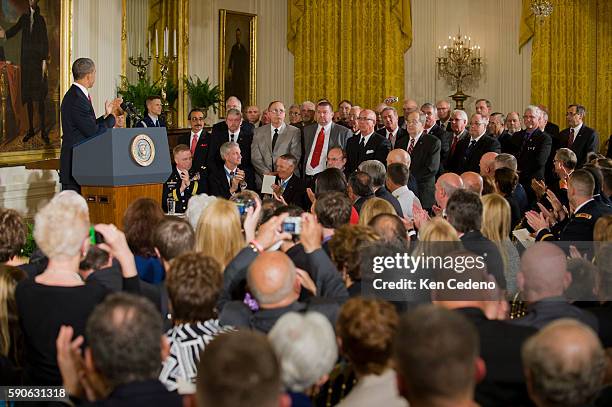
584	215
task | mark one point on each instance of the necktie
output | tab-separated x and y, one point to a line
525	142
362	142
454	144
470	146
194	142
570	140
274	138
231	176
231	137
156	124
318	150
392	139
31	20
89	97
424	131
411	146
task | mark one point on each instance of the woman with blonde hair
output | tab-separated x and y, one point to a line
438	238
11	339
602	232
219	234
373	207
496	218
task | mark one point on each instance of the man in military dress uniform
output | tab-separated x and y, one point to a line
182	184
585	212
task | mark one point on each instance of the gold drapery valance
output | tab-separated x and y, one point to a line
570	60
349	49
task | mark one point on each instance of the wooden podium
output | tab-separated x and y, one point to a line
108	204
118	167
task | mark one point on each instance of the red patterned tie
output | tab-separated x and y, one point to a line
316	154
570	140
455	140
411	146
194	143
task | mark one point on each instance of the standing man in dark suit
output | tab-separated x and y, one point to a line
288	185
496	129
34	56
533	148
198	142
444	115
469	150
320	137
458	122
432	127
78	118
369	146
391	131
232	129
153	118
578	137
424	150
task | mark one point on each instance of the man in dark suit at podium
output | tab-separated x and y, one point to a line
78	118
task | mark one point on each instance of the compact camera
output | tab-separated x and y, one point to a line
244	204
293	225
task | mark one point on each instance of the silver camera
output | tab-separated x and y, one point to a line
293	225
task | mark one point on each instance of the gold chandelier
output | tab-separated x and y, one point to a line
541	8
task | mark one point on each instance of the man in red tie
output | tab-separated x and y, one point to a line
321	136
197	140
578	137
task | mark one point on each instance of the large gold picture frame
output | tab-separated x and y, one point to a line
182	63
13	150
237	57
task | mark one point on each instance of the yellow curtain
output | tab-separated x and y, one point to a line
162	14
349	49
570	60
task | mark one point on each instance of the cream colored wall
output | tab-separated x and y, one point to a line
274	61
494	24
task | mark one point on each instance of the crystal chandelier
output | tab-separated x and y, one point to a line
541	8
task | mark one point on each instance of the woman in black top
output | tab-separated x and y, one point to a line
59	296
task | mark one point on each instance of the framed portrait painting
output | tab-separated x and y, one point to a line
34	52
237	57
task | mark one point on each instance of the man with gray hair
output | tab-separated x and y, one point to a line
230	179
533	148
78	118
376	170
444	115
564	364
496	129
470	149
305	345
232	129
578	137
424	150
369	145
458	123
307	110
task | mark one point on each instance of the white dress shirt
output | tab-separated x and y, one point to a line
406	199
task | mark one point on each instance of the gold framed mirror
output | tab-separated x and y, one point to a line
152	29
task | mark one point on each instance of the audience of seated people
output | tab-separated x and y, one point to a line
203	292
